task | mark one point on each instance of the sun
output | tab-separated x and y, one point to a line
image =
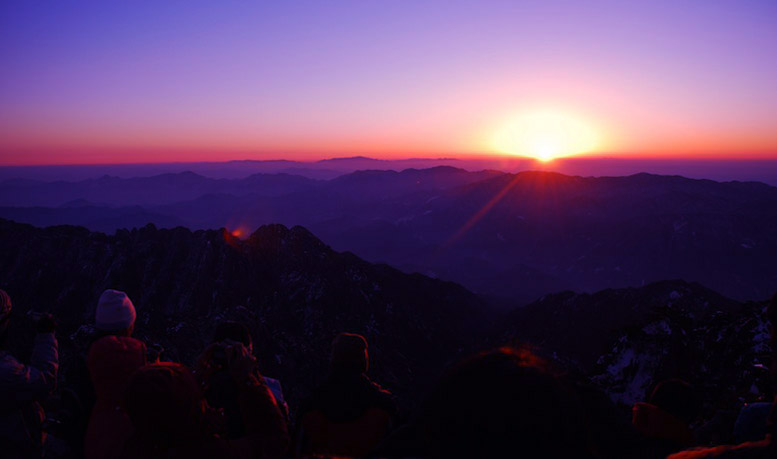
545	135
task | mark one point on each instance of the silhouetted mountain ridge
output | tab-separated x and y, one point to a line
293	291
516	236
146	191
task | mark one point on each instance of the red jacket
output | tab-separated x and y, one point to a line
111	361
165	402
653	422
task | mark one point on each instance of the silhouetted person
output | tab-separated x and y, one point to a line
348	415
751	424
761	449
664	420
503	403
22	387
170	416
111	360
219	386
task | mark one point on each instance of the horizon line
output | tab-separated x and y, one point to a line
463	157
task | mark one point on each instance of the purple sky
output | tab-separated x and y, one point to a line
86	82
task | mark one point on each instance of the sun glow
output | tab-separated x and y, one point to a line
545	135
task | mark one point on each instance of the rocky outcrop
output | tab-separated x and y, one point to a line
626	340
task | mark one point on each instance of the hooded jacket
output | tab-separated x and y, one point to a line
348	415
111	362
21	388
165	404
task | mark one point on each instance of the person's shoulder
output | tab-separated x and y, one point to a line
114	343
109	347
375	387
382	397
9	364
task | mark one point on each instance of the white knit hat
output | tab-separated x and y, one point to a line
114	311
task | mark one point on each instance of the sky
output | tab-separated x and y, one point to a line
104	82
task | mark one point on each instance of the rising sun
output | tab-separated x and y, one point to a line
545	135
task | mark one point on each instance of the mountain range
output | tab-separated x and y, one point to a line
514	237
748	169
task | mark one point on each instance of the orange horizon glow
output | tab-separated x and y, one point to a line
127	83
532	130
66	156
151	156
586	136
589	128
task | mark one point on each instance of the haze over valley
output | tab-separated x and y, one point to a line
514	237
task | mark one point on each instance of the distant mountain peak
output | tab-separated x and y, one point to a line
276	237
348	158
436	169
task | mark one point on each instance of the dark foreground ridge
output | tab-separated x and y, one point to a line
626	339
290	294
293	292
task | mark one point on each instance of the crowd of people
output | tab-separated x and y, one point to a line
507	402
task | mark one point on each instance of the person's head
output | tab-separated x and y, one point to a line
349	353
233	331
165	404
678	398
503	403
5	316
115	313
